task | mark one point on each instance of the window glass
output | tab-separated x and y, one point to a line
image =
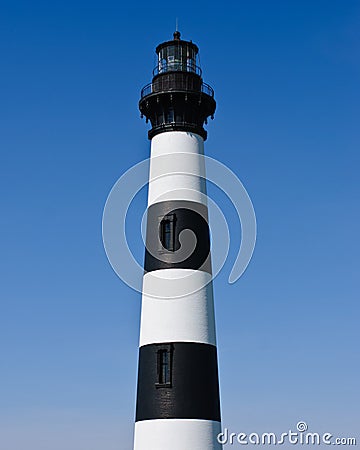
167	225
164	372
164	366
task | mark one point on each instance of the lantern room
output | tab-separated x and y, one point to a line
177	55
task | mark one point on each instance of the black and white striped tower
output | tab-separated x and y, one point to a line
178	406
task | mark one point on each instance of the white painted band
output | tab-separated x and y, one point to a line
186	318
177	167
177	434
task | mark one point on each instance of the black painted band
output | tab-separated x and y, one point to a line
183	216
193	391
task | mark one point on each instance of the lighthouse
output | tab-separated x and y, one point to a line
178	402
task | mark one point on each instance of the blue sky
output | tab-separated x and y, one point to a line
286	80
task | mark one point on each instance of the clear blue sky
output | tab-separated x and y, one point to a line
286	79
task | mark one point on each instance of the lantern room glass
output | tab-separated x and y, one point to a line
177	57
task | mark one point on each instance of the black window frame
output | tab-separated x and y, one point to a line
167	236
161	351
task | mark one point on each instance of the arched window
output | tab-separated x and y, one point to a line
167	232
164	366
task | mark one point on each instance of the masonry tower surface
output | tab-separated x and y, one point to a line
178	404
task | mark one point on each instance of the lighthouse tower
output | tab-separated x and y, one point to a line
178	406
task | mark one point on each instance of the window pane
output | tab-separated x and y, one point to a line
167	231
164	369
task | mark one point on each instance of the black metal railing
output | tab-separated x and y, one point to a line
149	89
207	89
177	66
146	90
